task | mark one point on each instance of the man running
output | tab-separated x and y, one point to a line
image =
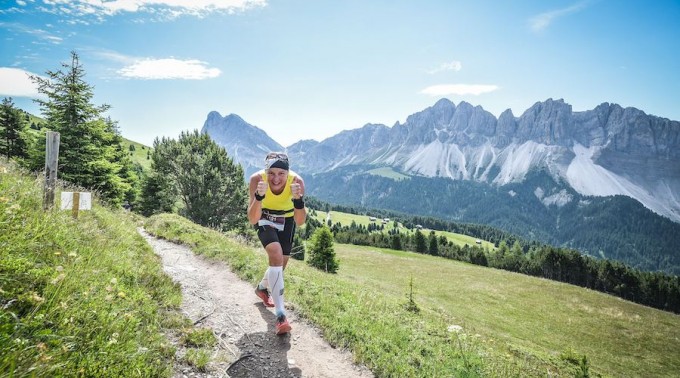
276	206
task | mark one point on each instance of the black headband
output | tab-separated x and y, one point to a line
277	163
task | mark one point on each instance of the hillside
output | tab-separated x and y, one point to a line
345	219
139	153
82	296
470	320
616	227
92	288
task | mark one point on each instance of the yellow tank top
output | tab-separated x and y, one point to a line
279	204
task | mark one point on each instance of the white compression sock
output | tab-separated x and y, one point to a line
275	276
264	284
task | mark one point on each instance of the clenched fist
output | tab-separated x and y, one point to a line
261	188
296	188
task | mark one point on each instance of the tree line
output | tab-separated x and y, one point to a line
191	176
616	227
653	289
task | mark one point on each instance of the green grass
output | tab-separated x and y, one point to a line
83	297
88	297
139	155
345	219
473	321
389	173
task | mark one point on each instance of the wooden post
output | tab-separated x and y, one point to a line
76	204
51	159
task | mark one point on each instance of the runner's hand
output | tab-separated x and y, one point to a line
296	188
261	188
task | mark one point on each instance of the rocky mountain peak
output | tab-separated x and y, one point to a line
605	151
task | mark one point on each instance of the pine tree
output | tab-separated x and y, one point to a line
420	243
88	142
321	253
12	131
433	248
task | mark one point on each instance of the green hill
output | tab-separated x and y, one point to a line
345	219
86	296
472	321
78	297
139	153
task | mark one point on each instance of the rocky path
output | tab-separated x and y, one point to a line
215	297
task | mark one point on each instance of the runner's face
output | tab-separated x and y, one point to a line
277	178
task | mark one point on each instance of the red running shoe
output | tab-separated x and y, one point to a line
264	295
282	326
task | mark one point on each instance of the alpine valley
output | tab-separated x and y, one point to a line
604	181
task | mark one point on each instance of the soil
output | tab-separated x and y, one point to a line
214	297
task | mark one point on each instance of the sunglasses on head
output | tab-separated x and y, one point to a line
277	156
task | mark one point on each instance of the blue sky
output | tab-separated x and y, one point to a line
310	69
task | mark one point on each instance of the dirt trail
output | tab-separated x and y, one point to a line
215	297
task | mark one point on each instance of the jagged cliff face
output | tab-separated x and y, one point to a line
605	151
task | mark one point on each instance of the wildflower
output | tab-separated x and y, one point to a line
113	339
45	358
455	328
121	294
114	280
109	297
63	305
109	288
37	298
4	199
59	268
58	278
41	347
57	253
72	254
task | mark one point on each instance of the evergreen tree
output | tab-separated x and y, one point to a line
88	141
321	253
197	172
157	195
396	242
433	248
12	131
421	244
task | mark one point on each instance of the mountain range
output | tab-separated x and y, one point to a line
562	158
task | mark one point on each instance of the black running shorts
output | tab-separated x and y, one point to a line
268	234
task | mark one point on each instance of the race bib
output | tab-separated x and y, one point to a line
276	221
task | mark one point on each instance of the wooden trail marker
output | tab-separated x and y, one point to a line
51	158
76	201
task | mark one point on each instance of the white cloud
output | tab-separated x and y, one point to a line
458	89
38	33
451	66
166	9
157	69
543	20
15	82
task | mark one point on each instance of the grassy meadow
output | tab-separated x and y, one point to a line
139	153
469	321
345	219
79	297
88	297
388	172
